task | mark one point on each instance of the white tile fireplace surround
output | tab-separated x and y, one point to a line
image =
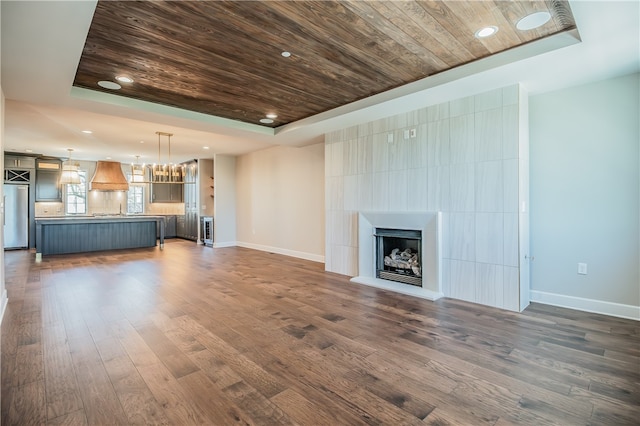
466	159
429	223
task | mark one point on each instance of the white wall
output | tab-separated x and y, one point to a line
205	176
224	223
281	201
464	162
585	181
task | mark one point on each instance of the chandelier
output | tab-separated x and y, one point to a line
166	172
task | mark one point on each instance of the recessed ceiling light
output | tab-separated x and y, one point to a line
486	32
141	141
266	121
124	79
108	158
109	85
272	115
28	150
533	20
205	147
88	132
286	54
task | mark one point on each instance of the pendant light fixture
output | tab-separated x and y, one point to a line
70	175
137	171
166	172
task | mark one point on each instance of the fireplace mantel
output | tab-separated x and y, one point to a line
430	225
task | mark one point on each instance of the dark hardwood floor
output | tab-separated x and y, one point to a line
194	335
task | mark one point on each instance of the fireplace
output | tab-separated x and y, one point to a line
410	233
399	255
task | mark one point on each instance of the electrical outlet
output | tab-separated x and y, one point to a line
406	134
412	133
582	268
390	138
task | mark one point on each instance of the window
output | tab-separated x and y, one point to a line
76	195
135	197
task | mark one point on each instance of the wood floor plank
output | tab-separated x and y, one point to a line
62	390
255	405
29	366
320	390
607	410
29	328
172	357
391	392
77	418
243	366
440	417
174	400
217	408
27	405
137	401
134	344
197	335
99	398
216	370
302	411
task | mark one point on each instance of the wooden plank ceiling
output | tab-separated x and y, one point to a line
223	58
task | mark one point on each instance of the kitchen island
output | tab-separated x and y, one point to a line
63	235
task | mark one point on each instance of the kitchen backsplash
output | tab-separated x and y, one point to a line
164	208
108	203
49	209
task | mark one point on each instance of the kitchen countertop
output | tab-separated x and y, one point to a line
91	219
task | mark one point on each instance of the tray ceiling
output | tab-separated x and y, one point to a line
224	58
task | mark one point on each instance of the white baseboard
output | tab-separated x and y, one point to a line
588	305
286	252
3	304
225	244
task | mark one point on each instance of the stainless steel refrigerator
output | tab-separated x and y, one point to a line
16	216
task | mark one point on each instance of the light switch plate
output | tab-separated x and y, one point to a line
582	268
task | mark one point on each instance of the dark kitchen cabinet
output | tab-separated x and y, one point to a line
166	193
48	186
180	228
19	162
191	201
169	227
187	224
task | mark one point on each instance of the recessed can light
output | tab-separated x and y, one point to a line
124	79
266	121
88	132
486	32
28	150
272	115
108	158
109	85
286	54
205	147
532	21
